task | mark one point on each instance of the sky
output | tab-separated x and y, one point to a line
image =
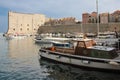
54	8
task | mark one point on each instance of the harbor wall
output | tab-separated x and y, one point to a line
84	28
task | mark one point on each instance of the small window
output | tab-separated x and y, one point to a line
21	24
21	29
81	44
28	29
13	29
34	29
27	24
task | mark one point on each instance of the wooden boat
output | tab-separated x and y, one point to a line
85	54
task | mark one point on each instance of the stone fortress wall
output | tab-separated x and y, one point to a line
23	23
30	24
84	28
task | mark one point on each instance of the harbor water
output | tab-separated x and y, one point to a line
19	60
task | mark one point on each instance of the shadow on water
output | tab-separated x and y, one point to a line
58	71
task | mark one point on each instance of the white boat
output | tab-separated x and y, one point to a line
50	39
85	54
15	37
107	38
42	40
61	44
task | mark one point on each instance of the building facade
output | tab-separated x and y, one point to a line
89	18
24	24
61	21
85	17
103	17
115	16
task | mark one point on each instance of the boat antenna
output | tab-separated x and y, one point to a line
97	17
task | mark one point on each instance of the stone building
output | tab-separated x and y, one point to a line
85	17
24	24
61	21
115	16
89	18
104	18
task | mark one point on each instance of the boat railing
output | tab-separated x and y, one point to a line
63	50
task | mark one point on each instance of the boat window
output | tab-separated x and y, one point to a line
81	44
88	43
100	54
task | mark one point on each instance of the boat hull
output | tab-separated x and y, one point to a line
79	61
42	41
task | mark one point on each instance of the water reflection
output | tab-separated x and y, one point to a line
19	60
22	48
66	72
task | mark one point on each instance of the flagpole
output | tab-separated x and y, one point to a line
97	16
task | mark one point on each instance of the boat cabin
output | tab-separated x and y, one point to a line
87	47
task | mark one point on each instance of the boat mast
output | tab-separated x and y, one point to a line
97	17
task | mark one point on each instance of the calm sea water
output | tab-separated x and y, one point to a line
19	60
